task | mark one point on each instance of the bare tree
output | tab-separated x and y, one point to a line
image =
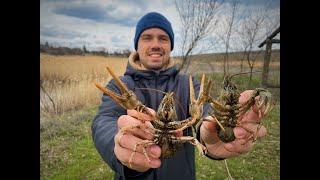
225	32
250	33
197	20
272	21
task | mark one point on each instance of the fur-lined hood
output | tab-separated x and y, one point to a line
135	69
134	61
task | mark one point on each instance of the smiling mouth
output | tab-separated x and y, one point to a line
155	54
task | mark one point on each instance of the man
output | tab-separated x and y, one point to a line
151	67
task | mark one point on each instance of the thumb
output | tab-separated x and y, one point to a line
208	131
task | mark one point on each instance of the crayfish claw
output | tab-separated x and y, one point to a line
191	90
264	104
196	105
127	98
123	88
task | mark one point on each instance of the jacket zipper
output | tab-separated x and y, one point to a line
156	87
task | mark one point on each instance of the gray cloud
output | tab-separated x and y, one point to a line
125	13
61	33
92	12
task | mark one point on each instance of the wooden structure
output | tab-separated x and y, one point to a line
268	41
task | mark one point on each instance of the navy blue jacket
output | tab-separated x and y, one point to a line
104	127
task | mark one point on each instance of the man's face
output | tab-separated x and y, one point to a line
154	48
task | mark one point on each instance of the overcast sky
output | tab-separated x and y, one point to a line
110	24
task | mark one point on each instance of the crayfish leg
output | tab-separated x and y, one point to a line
140	126
263	103
144	144
202	149
184	125
253	134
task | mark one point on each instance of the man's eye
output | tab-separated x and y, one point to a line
146	38
164	39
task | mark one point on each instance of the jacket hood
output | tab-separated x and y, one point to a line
135	69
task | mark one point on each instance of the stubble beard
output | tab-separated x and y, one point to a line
157	65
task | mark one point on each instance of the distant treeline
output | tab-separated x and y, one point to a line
49	49
239	55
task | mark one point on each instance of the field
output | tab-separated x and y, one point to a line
67	81
69	102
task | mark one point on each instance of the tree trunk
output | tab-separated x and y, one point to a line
250	78
266	63
241	65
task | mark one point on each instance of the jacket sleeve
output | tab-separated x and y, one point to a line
104	128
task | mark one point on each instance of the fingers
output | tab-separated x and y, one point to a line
208	132
129	141
255	114
251	116
139	161
259	111
126	120
135	127
248	128
244	96
133	135
218	150
239	146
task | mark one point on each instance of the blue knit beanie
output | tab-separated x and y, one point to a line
153	20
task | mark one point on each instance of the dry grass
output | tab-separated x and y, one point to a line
213	63
257	64
78	68
67	81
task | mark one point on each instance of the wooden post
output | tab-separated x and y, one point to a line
266	63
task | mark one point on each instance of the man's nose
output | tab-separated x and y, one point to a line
155	44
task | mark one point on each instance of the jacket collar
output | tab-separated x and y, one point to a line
135	69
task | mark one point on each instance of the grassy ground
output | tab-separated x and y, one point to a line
67	150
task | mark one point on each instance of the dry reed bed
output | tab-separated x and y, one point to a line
67	81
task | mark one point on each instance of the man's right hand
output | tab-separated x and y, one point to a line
126	141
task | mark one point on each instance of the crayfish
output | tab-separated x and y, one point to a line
227	109
165	123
